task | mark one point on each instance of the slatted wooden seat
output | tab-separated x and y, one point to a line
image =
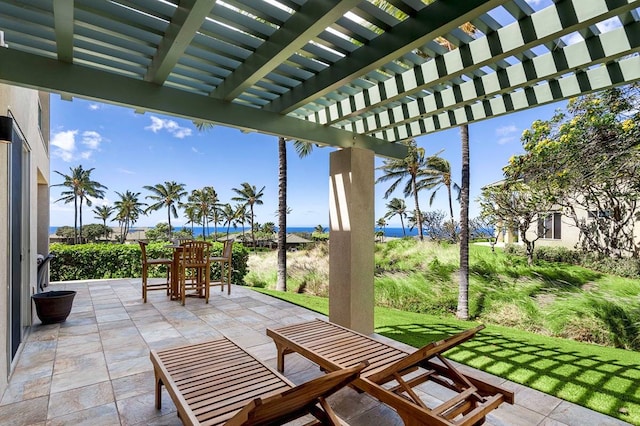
393	374
217	382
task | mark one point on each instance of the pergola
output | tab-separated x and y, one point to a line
362	76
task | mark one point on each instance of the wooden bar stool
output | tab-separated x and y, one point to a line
146	262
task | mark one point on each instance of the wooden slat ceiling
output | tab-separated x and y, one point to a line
343	73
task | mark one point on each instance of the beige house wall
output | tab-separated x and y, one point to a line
25	106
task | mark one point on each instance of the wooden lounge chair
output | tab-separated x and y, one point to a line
393	374
217	382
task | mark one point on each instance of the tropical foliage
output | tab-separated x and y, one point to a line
166	195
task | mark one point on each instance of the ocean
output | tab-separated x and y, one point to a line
197	230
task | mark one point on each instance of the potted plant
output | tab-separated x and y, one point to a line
51	306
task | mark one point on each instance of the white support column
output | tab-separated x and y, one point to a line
351	239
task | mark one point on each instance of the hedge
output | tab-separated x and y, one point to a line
101	261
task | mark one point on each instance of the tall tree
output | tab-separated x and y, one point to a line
204	201
80	189
462	311
129	210
411	168
228	216
104	213
439	172
281	283
397	207
166	195
249	196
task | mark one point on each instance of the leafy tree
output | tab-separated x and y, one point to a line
80	188
382	224
397	207
129	210
480	228
411	168
588	160
516	206
161	231
95	230
66	232
166	195
104	213
249	196
228	215
268	228
319	229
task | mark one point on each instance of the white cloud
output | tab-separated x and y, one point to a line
66	147
94	107
194	149
170	126
126	172
507	134
91	139
506	130
65	144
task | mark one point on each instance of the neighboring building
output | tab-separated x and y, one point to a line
24	212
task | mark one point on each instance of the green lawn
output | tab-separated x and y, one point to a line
601	378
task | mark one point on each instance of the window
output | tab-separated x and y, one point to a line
550	226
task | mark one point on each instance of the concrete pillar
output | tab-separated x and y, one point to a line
351	239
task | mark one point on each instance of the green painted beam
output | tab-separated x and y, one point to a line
617	73
186	21
432	21
28	70
582	55
541	27
63	21
312	18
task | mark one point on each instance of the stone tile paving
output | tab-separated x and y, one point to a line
94	369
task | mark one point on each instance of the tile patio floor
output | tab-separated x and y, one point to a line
94	369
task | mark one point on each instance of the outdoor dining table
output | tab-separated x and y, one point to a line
175	265
175	273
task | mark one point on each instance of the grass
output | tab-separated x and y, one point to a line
601	378
552	299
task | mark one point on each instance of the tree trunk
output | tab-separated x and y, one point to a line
463	293
169	220
253	235
281	284
80	212
418	213
75	220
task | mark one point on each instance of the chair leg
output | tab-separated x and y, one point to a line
229	278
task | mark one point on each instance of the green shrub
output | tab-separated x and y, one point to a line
102	261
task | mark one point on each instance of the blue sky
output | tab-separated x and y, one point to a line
130	150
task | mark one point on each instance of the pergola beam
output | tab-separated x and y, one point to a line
63	22
625	71
432	21
28	70
541	27
312	18
602	48
186	21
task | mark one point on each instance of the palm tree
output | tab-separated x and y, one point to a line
411	168
191	212
241	217
249	196
166	195
81	187
129	210
382	223
439	172
462	311
203	201
397	207
104	213
228	216
319	229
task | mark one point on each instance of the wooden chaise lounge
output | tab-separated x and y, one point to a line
393	374
217	382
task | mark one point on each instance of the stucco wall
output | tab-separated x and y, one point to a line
23	105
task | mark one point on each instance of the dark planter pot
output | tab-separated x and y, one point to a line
53	306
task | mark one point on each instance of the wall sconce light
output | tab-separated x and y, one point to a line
6	129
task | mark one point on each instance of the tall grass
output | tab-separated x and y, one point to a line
553	299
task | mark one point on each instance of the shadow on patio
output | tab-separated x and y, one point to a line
95	368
